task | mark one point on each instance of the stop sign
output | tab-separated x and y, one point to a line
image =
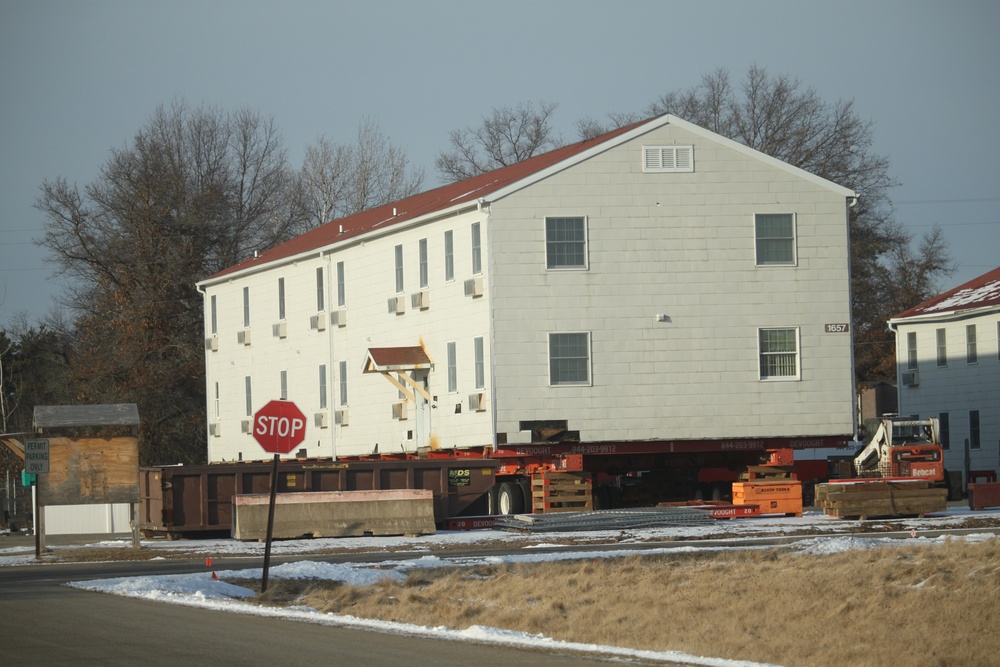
279	427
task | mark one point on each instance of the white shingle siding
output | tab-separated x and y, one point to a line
673	244
958	387
370	281
680	245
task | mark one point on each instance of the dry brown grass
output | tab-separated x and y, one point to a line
932	605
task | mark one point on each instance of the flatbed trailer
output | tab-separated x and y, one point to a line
475	482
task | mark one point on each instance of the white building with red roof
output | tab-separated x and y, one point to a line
948	363
659	283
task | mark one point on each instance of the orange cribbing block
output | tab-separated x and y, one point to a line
784	497
780	457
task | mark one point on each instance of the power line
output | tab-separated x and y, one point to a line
947	201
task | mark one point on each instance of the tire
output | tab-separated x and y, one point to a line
602	500
510	499
491	500
526	506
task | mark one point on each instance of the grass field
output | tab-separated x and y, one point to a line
936	605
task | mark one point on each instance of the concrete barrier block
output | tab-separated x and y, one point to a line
335	514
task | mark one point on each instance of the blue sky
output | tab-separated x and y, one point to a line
80	78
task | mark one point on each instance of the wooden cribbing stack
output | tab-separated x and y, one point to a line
870	498
561	492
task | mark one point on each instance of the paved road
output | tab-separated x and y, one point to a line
43	622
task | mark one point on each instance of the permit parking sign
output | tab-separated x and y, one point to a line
36	456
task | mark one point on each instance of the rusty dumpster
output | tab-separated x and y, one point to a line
197	500
984	494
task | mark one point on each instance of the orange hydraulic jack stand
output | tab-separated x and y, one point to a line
784	497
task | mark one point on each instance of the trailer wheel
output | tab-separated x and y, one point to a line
491	500
509	499
527	505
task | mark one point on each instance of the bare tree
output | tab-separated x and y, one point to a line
509	135
338	180
194	192
589	128
907	276
324	178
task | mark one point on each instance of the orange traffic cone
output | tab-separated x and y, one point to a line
208	562
215	577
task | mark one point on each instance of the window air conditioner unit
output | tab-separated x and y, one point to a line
421	300
212	343
399	410
318	322
474	286
215	429
245	425
338	318
243	337
397	305
341	417
911	379
477	402
322	419
280	329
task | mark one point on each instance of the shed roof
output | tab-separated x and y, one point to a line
981	292
116	414
386	359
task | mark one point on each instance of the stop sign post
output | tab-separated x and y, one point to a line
279	427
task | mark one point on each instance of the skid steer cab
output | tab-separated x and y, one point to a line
903	448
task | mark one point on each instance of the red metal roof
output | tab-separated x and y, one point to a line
439	199
980	292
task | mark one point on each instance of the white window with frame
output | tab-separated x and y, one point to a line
942	347
424	274
477	250
399	269
449	256
246	307
452	368
569	358
779	353
342	372
216	409
249	395
911	350
480	362
283	385
566	243
341	286
214	315
971	355
322	387
320	291
281	299
774	239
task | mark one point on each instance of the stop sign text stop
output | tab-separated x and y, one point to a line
279	427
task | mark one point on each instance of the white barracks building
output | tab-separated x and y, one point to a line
658	283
